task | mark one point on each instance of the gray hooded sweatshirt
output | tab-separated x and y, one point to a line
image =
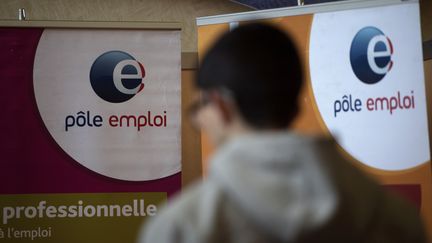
283	187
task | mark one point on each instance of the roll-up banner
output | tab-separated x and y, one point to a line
90	129
364	85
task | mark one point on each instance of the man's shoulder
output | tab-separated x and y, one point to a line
183	205
186	212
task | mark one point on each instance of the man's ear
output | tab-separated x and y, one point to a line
224	106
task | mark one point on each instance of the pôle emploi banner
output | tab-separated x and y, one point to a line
90	132
364	85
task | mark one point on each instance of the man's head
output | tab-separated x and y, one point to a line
250	80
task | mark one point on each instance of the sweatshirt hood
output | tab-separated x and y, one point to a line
278	180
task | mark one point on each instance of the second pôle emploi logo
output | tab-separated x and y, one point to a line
367	81
370	55
116	77
371	59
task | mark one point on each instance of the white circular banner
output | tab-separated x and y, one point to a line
111	99
368	83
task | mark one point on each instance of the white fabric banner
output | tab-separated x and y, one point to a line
111	99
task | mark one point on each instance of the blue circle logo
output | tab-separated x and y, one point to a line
370	55
116	76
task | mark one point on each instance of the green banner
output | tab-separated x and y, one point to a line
72	218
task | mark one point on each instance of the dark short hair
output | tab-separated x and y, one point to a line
259	64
